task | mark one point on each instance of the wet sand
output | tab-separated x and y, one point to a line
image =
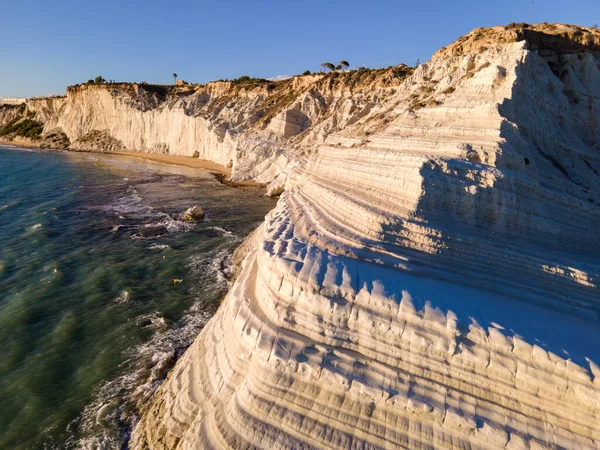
220	172
176	160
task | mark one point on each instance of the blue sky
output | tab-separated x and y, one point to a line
47	45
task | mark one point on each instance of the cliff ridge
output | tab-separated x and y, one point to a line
429	277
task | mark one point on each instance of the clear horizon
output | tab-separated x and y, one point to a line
48	47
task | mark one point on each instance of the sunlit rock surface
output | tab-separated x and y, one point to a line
429	277
260	128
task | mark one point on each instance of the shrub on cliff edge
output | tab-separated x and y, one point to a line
23	127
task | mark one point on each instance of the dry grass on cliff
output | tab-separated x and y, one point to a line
544	37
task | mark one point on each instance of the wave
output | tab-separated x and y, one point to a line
217	264
159	246
107	421
129	204
151	223
34	228
164	226
223	231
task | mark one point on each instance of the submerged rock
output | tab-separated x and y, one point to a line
152	231
193	214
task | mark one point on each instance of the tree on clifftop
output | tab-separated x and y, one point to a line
174	77
345	64
99	80
328	66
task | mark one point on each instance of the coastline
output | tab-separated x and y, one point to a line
177	160
429	277
170	342
220	172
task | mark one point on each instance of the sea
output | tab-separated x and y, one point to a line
103	287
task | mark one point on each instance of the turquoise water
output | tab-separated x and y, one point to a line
90	316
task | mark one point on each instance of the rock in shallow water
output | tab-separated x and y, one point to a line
153	231
193	214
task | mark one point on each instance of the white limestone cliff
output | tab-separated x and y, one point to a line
430	275
428	279
256	126
9	112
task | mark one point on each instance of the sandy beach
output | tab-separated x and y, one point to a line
222	173
179	161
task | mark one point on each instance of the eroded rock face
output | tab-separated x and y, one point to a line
99	141
255	128
429	277
9	112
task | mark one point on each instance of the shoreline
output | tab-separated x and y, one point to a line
174	160
118	400
220	172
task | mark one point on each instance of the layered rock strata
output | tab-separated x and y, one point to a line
428	279
260	128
